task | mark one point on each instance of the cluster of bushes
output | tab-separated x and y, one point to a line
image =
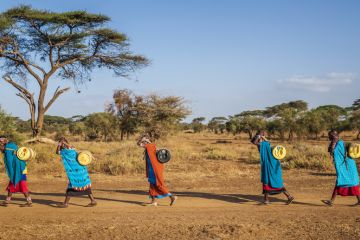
286	121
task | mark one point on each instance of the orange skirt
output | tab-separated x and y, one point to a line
159	191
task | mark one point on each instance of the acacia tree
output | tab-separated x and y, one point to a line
288	115
313	123
125	108
42	46
197	124
354	118
332	116
160	115
217	124
251	121
100	125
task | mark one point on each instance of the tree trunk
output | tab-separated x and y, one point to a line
250	134
291	135
121	135
41	112
282	135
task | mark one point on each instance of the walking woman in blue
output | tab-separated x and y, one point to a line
271	172
78	177
347	177
16	171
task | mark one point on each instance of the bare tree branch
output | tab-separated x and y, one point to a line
26	95
17	86
27	64
57	93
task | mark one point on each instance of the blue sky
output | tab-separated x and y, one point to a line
223	57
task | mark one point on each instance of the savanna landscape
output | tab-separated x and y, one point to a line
214	168
216	178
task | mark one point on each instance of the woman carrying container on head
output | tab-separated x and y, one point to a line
271	172
154	172
78	177
16	170
347	177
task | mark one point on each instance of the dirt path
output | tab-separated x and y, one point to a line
210	208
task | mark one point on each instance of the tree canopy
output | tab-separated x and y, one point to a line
39	45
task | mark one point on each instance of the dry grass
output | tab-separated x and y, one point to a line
194	155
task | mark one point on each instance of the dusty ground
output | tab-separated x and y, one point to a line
207	208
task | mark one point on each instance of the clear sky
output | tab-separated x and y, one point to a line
222	56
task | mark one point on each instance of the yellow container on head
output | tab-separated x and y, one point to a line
85	158
279	152
354	150
25	154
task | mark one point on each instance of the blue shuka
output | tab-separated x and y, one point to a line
14	167
77	174
150	169
346	170
271	173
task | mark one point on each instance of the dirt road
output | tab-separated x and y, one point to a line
208	208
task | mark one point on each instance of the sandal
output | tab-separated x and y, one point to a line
290	200
327	202
93	204
173	200
28	204
4	203
61	205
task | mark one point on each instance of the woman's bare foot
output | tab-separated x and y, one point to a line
173	200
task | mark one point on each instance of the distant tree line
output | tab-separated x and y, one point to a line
130	114
286	121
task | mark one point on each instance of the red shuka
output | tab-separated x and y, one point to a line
159	189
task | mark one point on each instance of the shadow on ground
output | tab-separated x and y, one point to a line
231	198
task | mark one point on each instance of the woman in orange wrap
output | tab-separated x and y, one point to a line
155	173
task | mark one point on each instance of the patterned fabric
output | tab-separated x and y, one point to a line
271	172
14	167
346	170
77	174
155	173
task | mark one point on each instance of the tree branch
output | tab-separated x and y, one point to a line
26	95
18	86
57	93
31	103
27	63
